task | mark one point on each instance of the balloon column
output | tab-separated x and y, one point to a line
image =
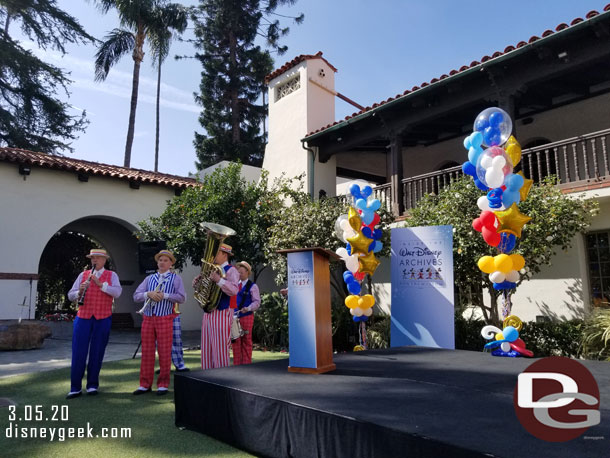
492	154
507	339
357	229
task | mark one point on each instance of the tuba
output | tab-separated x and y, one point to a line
207	293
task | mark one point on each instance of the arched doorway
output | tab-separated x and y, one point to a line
66	254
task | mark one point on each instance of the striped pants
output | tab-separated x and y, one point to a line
216	338
159	329
242	347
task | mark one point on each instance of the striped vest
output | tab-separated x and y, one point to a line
97	304
225	301
165	306
244	297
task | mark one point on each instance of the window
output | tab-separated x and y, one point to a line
288	87
598	255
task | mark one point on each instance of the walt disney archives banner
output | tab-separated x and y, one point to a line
422	287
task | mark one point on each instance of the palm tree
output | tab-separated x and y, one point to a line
160	43
141	21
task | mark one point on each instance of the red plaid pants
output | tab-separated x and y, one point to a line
242	347
159	329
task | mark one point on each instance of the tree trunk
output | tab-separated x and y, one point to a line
158	121
8	20
138	55
234	94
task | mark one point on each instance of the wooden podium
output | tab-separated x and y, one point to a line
309	323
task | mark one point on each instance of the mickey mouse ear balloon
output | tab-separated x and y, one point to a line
495	125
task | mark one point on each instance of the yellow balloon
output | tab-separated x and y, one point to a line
368	263
518	261
486	264
499	336
352	301
513	150
360	244
359	348
525	189
503	263
513	320
512	220
353	217
366	302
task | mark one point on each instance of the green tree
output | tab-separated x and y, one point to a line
308	223
142	20
226	198
556	219
232	80
31	115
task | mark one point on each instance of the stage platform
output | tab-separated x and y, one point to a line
404	402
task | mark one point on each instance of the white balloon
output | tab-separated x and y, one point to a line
498	162
494	178
497	277
368	312
513	276
505	346
342	253
483	203
352	263
490	331
358	311
486	162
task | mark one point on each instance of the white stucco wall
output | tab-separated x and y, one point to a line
248	172
294	116
33	210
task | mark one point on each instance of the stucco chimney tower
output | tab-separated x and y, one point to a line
301	100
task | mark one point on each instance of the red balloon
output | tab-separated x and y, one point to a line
477	224
492	238
488	219
359	276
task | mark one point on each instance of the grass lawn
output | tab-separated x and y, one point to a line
150	417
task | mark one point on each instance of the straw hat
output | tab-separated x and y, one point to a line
98	252
165	253
227	249
245	265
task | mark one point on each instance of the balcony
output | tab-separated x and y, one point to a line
578	162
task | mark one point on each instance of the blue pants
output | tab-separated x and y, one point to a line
177	354
90	336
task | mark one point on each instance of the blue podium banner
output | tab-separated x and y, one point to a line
301	310
422	287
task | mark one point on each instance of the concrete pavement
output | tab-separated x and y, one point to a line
56	352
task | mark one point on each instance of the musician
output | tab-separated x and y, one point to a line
248	301
163	288
216	326
95	289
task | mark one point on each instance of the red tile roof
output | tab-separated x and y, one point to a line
546	33
49	161
294	62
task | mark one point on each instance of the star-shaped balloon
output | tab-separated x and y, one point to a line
354	219
360	243
512	220
368	263
525	189
513	150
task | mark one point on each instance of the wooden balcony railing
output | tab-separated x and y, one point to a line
575	161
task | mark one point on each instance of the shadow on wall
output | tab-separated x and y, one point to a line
571	310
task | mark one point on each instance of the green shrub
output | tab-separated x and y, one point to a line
596	335
561	338
378	331
271	322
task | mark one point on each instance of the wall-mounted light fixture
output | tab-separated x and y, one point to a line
134	184
24	170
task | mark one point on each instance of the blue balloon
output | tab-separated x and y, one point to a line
481	125
496	119
474	153
348	247
504	285
476	139
354	190
510	333
348	276
378	246
507	242
366	191
366	231
353	287
492	136
510	197
467	142
360	318
479	184
469	169
513	182
495	197
377	234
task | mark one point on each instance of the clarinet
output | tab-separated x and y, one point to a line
81	298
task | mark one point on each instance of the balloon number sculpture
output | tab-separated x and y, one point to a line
492	154
357	229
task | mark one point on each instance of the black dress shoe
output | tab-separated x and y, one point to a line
184	369
162	392
92	393
138	392
158	371
74	395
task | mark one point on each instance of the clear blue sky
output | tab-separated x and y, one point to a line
380	48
